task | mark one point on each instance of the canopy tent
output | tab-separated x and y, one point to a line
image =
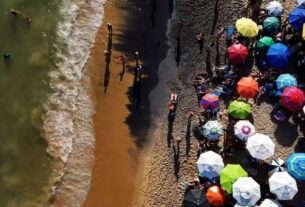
260	146
237	54
297	18
230	174
247	87
285	80
195	198
246	191
278	55
275	8
293	98
212	130
283	186
239	109
243	129
296	166
277	165
247	27
210	164
209	102
271	25
216	196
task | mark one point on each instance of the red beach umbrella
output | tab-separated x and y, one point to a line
293	98
237	53
247	87
215	196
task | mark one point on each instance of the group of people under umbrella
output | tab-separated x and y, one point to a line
232	180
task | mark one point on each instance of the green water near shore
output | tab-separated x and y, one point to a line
24	165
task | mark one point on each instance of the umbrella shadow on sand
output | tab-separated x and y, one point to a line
286	133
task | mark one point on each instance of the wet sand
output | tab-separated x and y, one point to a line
120	129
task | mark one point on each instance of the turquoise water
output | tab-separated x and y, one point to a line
24	165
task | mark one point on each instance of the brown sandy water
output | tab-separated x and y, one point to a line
120	130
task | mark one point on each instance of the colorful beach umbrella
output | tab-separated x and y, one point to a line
270	203
239	109
247	87
283	186
210	164
243	129
278	55
195	198
230	174
247	27
237	53
212	130
263	44
271	25
297	18
285	80
275	8
296	166
215	195
277	165
246	191
260	146
210	102
293	98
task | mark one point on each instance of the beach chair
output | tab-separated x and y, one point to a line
280	116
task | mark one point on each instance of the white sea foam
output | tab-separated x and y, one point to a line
68	125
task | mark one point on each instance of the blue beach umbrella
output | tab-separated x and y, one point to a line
285	80
275	8
296	166
212	130
297	18
278	55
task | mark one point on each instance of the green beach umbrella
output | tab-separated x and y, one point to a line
271	25
263	44
239	109
230	174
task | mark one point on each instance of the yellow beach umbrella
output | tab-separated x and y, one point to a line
303	33
247	27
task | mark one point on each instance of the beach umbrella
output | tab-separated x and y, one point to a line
285	80
270	203
277	165
297	18
209	102
212	130
195	198
296	166
210	164
275	8
300	2
237	53
239	109
283	186
260	146
247	27
263	44
243	129
246	191
247	87
271	25
230	174
238	205
278	55
293	98
215	195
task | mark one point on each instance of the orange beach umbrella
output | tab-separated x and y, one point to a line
247	87
215	196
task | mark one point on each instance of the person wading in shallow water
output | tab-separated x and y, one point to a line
16	13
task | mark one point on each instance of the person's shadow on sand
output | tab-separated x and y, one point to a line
176	160
178	51
188	137
107	60
170	119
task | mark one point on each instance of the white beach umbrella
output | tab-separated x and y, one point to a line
210	164
277	165
283	186
243	129
246	191
270	203
300	2
260	146
212	130
275	8
237	205
304	106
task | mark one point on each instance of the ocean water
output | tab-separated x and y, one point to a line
25	167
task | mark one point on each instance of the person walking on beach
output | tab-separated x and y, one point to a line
109	26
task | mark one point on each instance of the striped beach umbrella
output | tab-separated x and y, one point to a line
275	8
216	195
212	130
270	203
285	80
210	164
247	27
237	53
283	186
297	18
277	165
230	174
239	109
247	87
278	55
296	166
210	102
243	129
246	191
260	146
293	98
